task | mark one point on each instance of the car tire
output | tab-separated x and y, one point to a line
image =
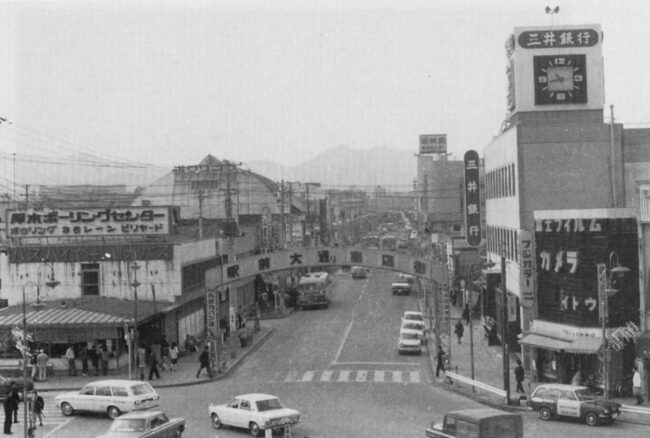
545	413
113	412
254	429
66	409
591	419
216	421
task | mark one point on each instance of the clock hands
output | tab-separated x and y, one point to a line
557	78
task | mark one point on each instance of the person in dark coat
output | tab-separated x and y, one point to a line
440	365
466	313
15	399
153	365
519	377
204	360
83	355
459	329
9	409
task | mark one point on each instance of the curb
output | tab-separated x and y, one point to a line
233	365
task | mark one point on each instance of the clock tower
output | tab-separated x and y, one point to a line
555	68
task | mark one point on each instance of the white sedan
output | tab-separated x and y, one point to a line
255	412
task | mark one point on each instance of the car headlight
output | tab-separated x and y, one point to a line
606	410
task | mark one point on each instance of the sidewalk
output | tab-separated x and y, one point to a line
184	375
488	369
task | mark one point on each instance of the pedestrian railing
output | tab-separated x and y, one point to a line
476	384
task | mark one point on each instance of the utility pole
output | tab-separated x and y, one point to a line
200	214
283	233
26	195
612	160
504	328
290	200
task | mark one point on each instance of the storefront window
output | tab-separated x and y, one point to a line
90	278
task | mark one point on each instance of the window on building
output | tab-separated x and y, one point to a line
90	278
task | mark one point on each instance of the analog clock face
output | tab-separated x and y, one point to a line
560	79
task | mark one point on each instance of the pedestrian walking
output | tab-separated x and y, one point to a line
204	360
164	353
96	358
153	365
636	386
459	329
39	405
8	405
83	355
440	364
72	366
142	360
41	361
15	400
34	364
190	344
466	315
105	356
519	377
173	355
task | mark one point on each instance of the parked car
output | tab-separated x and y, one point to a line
255	412
412	315
415	326
149	424
477	423
551	400
409	341
110	396
359	272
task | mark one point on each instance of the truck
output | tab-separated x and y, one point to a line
477	423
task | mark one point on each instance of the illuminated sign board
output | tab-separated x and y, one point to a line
433	144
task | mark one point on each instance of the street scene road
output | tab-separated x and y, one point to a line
340	368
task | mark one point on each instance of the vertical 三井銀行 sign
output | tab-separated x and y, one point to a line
472	199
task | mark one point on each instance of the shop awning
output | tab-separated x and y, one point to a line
75	320
587	345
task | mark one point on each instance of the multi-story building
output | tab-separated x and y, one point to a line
557	179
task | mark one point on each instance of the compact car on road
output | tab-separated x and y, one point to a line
409	341
149	424
255	412
556	400
110	396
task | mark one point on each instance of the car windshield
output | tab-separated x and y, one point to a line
127	425
142	388
587	394
268	405
410	336
412	326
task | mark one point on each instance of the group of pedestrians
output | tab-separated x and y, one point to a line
35	405
95	354
163	354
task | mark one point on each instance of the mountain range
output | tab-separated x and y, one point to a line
339	166
344	166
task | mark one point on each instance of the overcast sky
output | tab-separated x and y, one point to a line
169	82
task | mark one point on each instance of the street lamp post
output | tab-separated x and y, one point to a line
606	290
52	283
135	284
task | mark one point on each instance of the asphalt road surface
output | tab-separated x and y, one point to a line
340	368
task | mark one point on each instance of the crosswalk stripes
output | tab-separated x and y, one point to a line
356	376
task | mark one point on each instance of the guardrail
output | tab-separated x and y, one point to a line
475	383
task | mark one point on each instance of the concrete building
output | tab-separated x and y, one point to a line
558	179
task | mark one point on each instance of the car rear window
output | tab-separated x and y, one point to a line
268	405
141	389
